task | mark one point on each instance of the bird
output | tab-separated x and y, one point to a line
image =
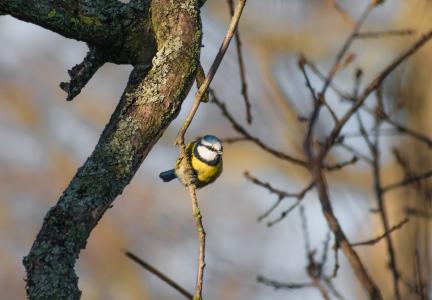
205	155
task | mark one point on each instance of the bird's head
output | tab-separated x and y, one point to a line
209	147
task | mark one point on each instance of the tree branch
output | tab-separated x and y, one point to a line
183	155
159	274
98	22
82	73
379	238
151	100
341	239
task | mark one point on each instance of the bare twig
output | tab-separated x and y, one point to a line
374	147
282	285
341	165
385	117
380	237
284	213
281	195
302	62
314	268
355	152
341	239
345	16
370	88
183	156
421	289
407	181
232	140
214	67
322	77
250	137
201	237
336	65
386	33
405	130
307	144
411	211
244	91
159	274
336	266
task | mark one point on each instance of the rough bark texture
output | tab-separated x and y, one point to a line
151	100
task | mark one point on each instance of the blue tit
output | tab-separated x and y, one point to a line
205	155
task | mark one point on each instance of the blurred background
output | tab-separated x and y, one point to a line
44	139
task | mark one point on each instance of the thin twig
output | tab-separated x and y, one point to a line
370	88
159	274
232	140
403	129
376	172
244	90
313	268
415	212
307	144
386	33
407	181
355	152
183	156
301	63
345	16
214	67
344	95
380	237
341	239
419	283
336	266
341	165
285	213
201	237
281	194
240	129
282	285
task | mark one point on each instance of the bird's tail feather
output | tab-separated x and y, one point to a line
168	175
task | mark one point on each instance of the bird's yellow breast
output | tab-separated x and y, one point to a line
205	172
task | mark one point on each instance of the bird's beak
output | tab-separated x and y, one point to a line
220	152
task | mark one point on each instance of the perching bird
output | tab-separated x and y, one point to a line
205	155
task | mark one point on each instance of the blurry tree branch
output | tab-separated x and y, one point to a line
281	195
244	90
162	39
376	83
407	181
159	274
249	137
380	34
379	238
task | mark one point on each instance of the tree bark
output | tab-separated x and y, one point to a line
151	100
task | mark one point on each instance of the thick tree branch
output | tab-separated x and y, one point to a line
98	22
151	100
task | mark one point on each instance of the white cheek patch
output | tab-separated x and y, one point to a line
206	154
217	146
